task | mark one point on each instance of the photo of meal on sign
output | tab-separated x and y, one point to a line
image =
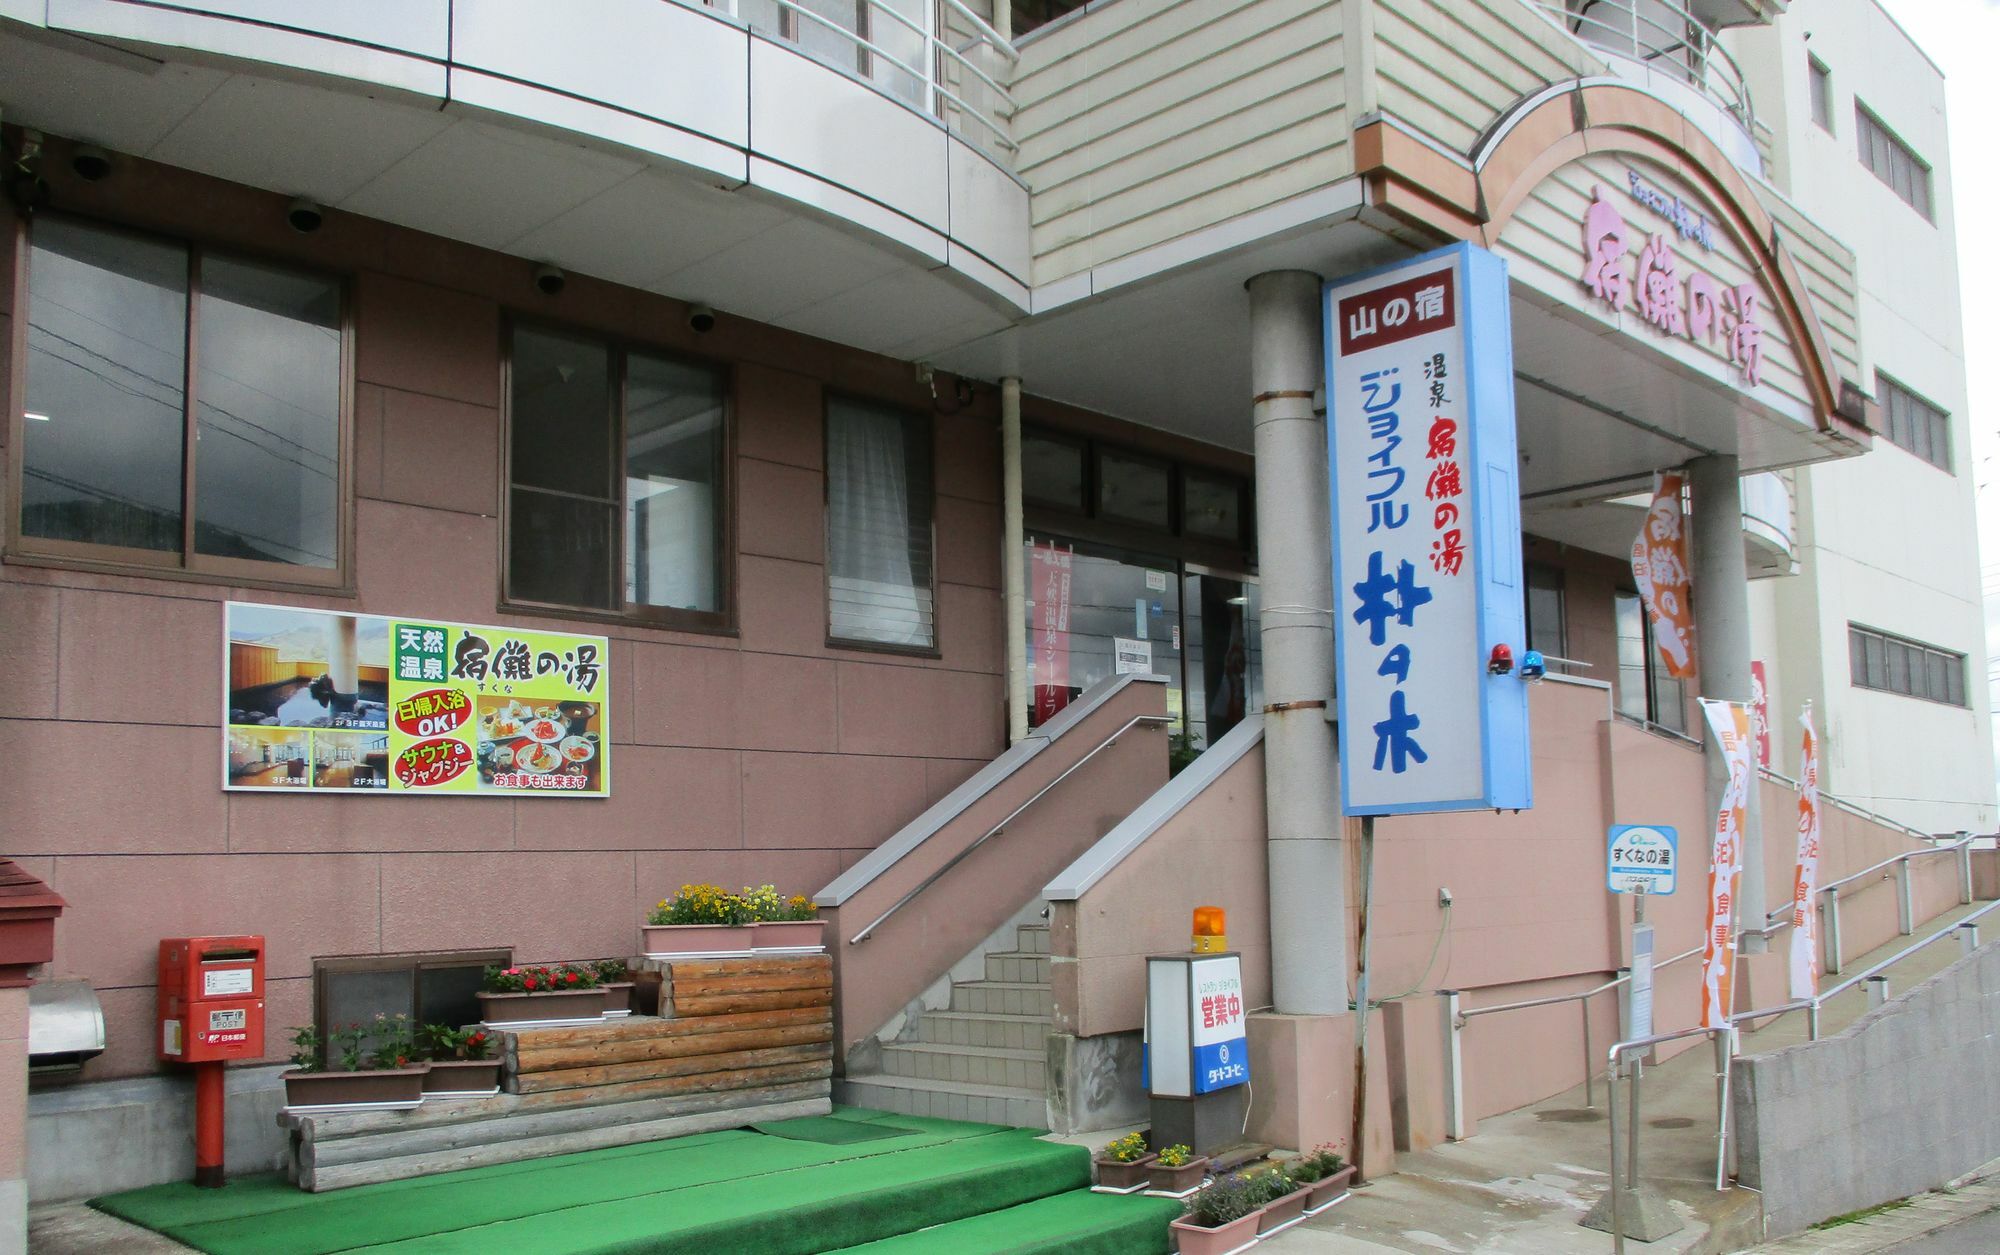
317	701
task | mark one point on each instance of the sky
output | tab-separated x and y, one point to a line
1963	36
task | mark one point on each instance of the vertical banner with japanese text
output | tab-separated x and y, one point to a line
1049	580
1729	723
1426	536
1760	711
1660	569
319	701
1805	877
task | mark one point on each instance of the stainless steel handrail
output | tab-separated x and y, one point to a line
1778	777
994	831
1969	917
1906	856
936	49
1689	45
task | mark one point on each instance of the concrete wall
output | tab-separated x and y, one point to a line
1897	1103
85	1140
13	1119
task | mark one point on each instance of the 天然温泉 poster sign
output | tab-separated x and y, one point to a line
1426	536
320	701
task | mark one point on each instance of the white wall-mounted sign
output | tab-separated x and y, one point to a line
1133	657
1642	858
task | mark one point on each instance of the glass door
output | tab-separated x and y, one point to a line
1094	613
1224	654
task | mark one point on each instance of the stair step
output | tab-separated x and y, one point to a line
980	1065
945	1100
1076	1223
1033	938
976	1028
1002	996
1018	966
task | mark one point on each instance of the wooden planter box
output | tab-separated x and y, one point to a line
617	999
790	936
696	941
462	1078
1237	1235
1114	1177
1282	1213
1165	1182
394	1089
1327	1191
562	1006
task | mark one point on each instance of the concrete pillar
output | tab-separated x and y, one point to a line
1308	867
13	1116
1722	635
1014	564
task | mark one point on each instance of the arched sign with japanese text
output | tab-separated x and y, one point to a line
1426	536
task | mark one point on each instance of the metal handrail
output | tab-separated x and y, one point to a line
1906	856
994	831
1883	966
936	48
1553	999
1778	777
1689	45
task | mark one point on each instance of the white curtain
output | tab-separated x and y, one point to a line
878	529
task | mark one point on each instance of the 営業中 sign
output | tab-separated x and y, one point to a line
1217	1024
1426	536
1642	858
318	701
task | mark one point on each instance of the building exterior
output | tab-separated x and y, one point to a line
890	394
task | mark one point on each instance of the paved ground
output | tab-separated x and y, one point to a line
1962	1220
1979	1236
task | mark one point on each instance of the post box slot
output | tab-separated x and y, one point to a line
228	956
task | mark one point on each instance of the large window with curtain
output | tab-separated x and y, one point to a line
879	542
617	496
182	409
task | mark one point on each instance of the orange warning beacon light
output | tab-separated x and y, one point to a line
1211	931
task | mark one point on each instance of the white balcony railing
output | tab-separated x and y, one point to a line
1665	37
936	56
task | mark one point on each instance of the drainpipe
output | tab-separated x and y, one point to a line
1722	635
1014	565
1308	866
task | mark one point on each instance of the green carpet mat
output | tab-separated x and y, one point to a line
737	1190
831	1130
1076	1223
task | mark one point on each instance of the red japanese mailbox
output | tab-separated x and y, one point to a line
211	1010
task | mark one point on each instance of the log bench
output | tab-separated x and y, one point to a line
738	1041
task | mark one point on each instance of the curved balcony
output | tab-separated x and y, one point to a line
1666	45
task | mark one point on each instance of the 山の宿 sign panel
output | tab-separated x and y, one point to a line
1426	536
1642	858
318	701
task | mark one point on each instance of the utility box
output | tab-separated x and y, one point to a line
1197	1049
211	999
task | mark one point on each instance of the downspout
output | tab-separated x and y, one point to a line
1014	561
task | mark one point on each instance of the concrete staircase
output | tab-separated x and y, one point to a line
981	1058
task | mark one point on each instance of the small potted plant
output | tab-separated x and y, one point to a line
1175	1172
1284	1200
699	922
1122	1164
459	1067
1221	1217
540	997
1324	1174
783	925
339	1071
614	977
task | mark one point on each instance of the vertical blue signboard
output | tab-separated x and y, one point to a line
1426	536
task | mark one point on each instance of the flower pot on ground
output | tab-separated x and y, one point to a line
1221	1219
356	1067
1324	1174
540	996
457	1061
780	925
701	921
614	977
1121	1166
1285	1209
1175	1172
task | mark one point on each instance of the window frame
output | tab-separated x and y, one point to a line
718	622
411	961
1869	125
1915	654
1101	449
909	414
1937	434
185	563
1819	93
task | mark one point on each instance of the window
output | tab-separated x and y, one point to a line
878	527
1134	489
1029	14
1212	505
616	497
1914	423
1645	690
429	988
228	464
1819	88
1877	660
1545	609
1052	472
1891	160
